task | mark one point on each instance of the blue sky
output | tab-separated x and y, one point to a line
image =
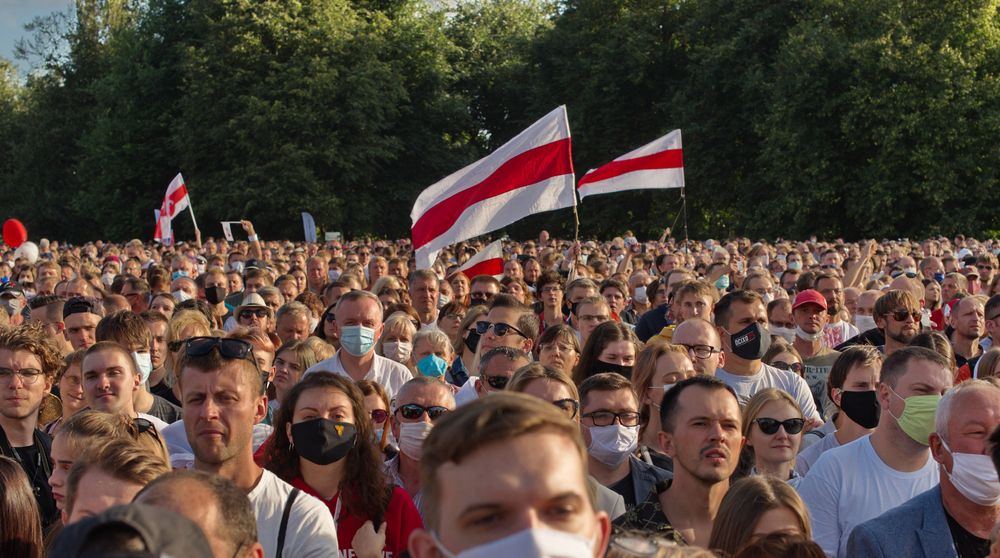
15	13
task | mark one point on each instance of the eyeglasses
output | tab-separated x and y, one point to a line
379	415
28	376
900	315
987	267
496	382
569	406
792	366
607	418
770	426
412	411
499	328
701	351
228	348
249	313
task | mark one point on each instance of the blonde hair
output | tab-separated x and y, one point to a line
645	369
122	459
742	507
536	371
753	408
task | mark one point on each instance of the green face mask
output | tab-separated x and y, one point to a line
917	419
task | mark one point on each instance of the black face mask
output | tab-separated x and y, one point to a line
751	342
573	307
215	295
861	406
472	341
600	366
323	441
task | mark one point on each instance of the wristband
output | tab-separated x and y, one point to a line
252	238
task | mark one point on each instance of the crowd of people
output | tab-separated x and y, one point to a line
619	398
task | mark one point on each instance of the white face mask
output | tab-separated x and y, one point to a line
145	365
639	295
443	299
529	543
180	296
864	323
783	332
108	279
974	476
412	436
398	351
613	444
806	336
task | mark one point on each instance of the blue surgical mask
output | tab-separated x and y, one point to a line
178	274
433	366
939	277
357	340
722	283
796	265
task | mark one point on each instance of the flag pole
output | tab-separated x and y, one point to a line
684	209
193	220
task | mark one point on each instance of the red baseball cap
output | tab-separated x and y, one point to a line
809	296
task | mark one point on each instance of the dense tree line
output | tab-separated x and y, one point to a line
831	117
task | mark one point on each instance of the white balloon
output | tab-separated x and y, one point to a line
27	250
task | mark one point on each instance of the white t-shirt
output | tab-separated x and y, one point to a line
835	334
310	531
850	485
807	457
467	393
160	424
771	377
390	374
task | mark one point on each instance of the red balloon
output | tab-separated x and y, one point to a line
14	233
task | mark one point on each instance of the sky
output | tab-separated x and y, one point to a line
15	13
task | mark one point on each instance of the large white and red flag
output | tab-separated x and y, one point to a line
488	261
529	174
658	164
175	200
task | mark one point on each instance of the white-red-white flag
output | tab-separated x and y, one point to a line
175	200
658	164
488	261
164	233
529	174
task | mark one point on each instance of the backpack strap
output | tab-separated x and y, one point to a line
284	520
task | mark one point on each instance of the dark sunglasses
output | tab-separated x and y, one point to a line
251	312
379	415
330	318
770	426
143	426
412	411
900	315
228	347
496	382
792	366
485	297
500	329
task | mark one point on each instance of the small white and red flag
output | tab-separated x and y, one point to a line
175	200
658	164
531	173
488	261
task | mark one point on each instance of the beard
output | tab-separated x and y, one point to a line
901	337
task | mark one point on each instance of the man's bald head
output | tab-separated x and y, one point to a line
693	332
214	503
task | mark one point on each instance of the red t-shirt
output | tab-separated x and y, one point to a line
401	517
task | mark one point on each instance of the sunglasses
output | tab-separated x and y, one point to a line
143	426
770	426
228	348
496	382
500	329
249	313
791	366
330	318
412	411
379	415
485	297
900	315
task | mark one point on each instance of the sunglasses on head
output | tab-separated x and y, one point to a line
379	415
900	315
770	426
330	318
500	329
412	411
248	313
228	348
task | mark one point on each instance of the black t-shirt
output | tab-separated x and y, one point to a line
626	488
966	544
163	390
33	460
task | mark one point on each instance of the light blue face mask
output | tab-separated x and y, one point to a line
178	274
357	340
722	283
433	366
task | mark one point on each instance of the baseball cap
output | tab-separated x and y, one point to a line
809	296
82	305
11	290
162	532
